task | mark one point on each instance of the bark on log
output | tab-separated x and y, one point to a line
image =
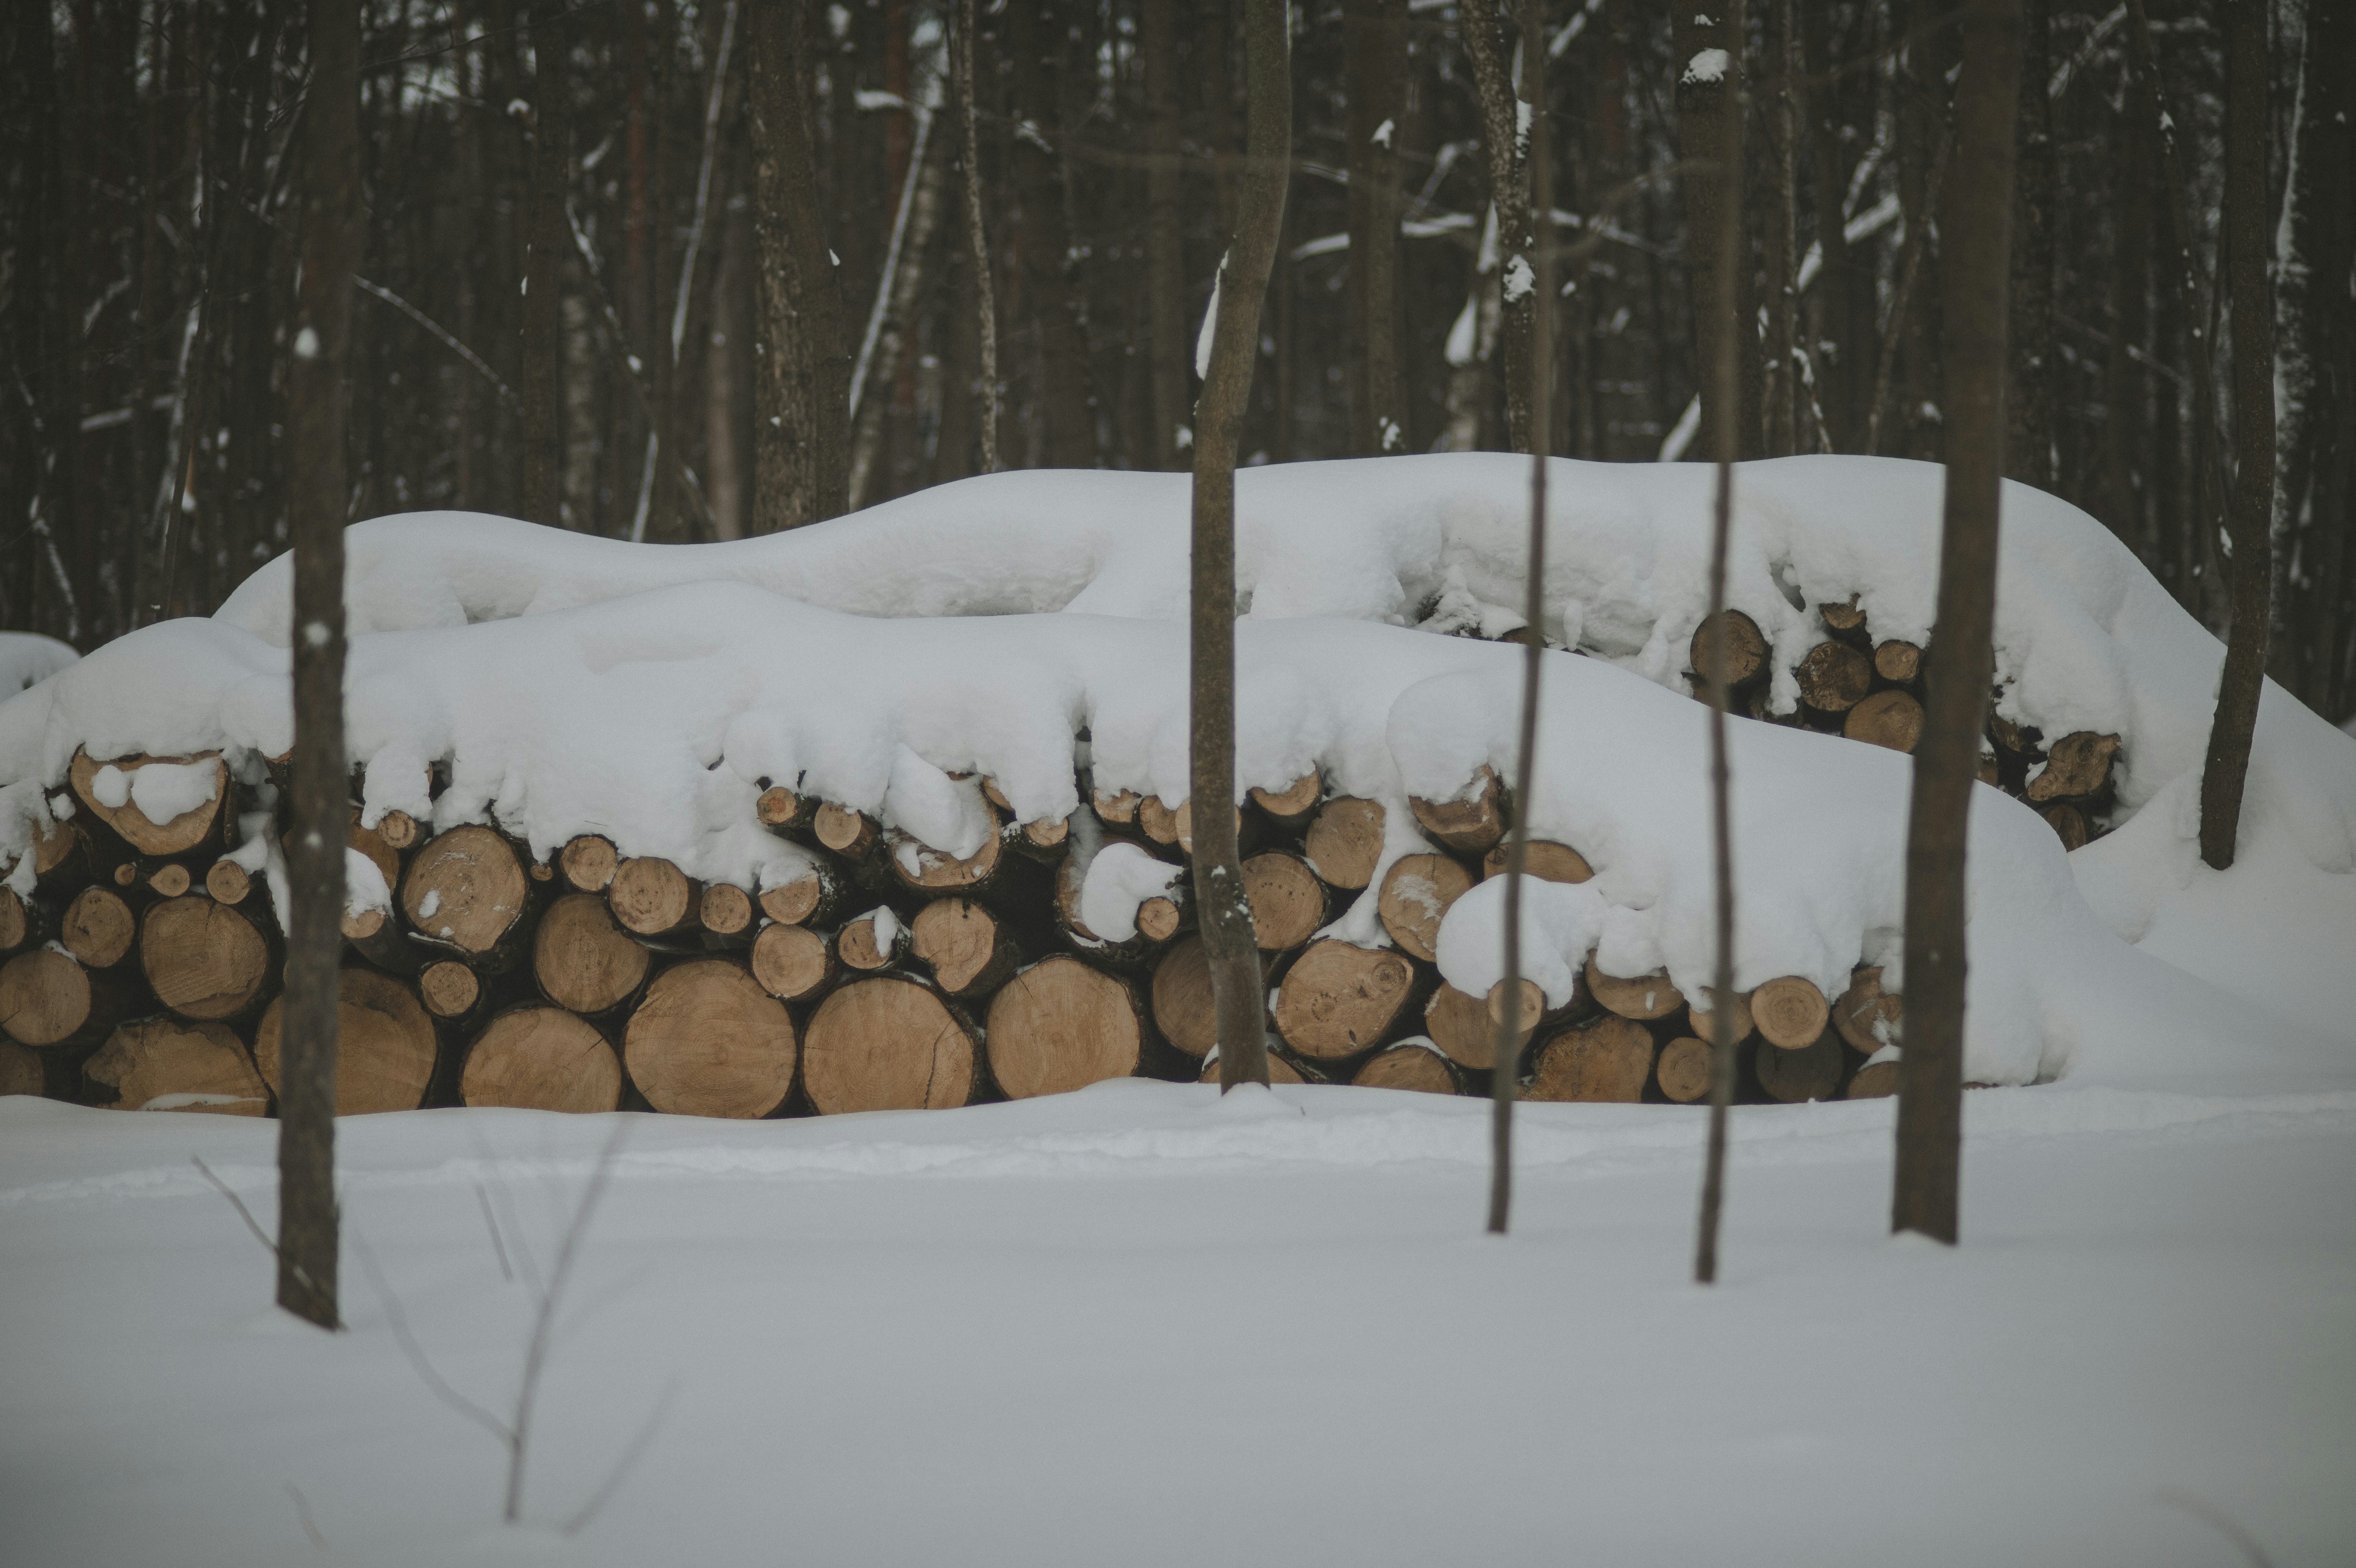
1344	844
537	1058
1811	1072
99	928
793	962
1548	861
203	960
1898	662
1180	992
1746	650
385	1044
375	936
1788	1012
1643	997
1704	1024
1607	1059
47	1001
1292	808
583	960
725	912
1411	1066
1891	718
652	898
889	1043
227	883
1417	891
1843	619
1868	1017
1683	1069
1062	1025
2078	768
2068	825
199	827
1874	1081
1835	678
1460	1024
1339	999
876	940
587	862
709	1041
1287	900
466	890
815	899
1471	825
853	834
969	950
165	1064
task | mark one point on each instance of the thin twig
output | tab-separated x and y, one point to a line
449	339
238	1203
302	1516
397	1321
891	259
624	1464
1918	236
712	102
492	1223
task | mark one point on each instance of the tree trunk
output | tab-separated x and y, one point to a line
1976	275
1374	72
1066	405
978	242
1167	369
1784	426
1502	148
1707	56
2028	400
542	316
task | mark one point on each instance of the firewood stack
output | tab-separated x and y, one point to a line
144	970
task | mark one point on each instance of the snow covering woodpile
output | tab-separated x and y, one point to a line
891	810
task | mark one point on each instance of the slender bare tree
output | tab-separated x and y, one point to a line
550	237
1977	275
1165	231
1707	51
1502	133
1374	44
316	405
2028	401
978	241
1238	1001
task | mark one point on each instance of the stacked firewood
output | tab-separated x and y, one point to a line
1872	691
144	970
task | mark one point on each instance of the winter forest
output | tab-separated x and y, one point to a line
1278	782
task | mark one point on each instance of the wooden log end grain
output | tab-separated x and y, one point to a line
1843	617
888	1043
779	808
385	1044
1891	718
1811	1072
1548	861
1163	916
1181	992
21	1069
1344	843
726	910
1898	662
448	988
399	830
587	862
1412	1065
583	959
1116	808
227	883
465	888
707	1040
186	830
853	834
1789	1012
1683	1069
1182	823
1835	678
169	1064
652	897
1062	1025
171	879
2077	768
793	962
1745	649
16	922
1874	1081
1607	1059
876	940
1287	900
1158	820
537	1058
2068	824
99	927
1460	1024
809	899
204	960
1339	999
1867	1015
1704	1023
1291	807
1643	997
967	947
1418	891
47	999
1471	824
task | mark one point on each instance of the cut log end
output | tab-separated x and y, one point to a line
385	1044
1339	999
170	879
1683	1069
1344	844
888	1043
1409	1065
583	959
166	1064
1899	663
15	923
1609	1059
1062	1025
1789	1012
47	999
99	927
792	963
448	988
398	829
1548	861
204	960
852	835
587	862
1643	997
709	1041
781	807
537	1058
1418	891
1842	617
1890	719
1182	1007
227	883
1835	678
1461	1025
1745	649
2077	768
1704	1023
1867	1015
1812	1072
875	941
650	896
965	944
726	910
1470	825
924	869
1292	805
465	888
185	831
1119	807
1287	900
1874	1081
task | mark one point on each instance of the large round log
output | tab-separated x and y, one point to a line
1642	998
195	826
709	1041
537	1058
21	1069
1417	892
167	1064
99	928
1549	862
1608	1059
1811	1072
1462	1026
1867	1015
1287	900
1291	807
1339	999
1182	1008
1789	1012
2076	769
1344	844
1471	824
1411	1064
1835	678
888	1043
1745	649
1062	1025
793	962
1874	1081
385	1044
466	890
583	959
48	1000
651	897
968	949
203	960
1683	1069
1891	718
587	863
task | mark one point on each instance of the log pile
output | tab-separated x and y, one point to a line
144	969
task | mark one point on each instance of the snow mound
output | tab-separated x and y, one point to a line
28	658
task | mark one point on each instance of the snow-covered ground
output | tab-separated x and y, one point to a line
1138	1324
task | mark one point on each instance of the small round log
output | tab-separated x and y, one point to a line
1643	997
1704	1024
583	959
370	843
1868	1017
1062	1025
876	940
1789	1012
1164	915
1607	1059
195	828
1898	662
167	1064
17	921
726	910
376	936
1683	1069
1412	1065
1418	891
466	890
1811	1072
1291	807
1158	820
888	1043
171	879
1891	718
1048	838
923	869
1116	808
1835	678
1469	825
1287	900
1746	649
793	962
48	1000
385	1044
1344	844
1183	820
1846	618
204	961
448	988
968	949
1339	999
1182	1008
709	1041
227	883
780	809
1874	1081
2077	768
651	897
99	928
1549	862
535	1058
587	862
853	834
814	898
398	829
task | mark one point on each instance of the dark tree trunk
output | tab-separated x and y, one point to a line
315	383
1167	368
978	284
1976	275
1922	133
41	413
2029	401
543	352
1705	50
1375	72
1844	302
2247	184
1240	1000
1501	149
1049	280
2127	391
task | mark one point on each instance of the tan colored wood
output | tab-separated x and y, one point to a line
1898	662
370	842
1642	998
1279	1070
582	957
1408	1065
1846	617
1048	833
1549	862
1875	1081
1418	891
1868	1017
1163	916
1344	844
651	897
1471	824
2068	825
793	962
969	948
1292	805
1287	900
1988	770
726	910
167	1064
922	868
1835	678
448	988
124	874
852	835
99	928
995	796
1157	819
21	1072
227	883
15	924
1181	999
189	830
1460	1025
1704	1024
2078	766
1890	719
1746	649
587	862
203	960
1062	1025
56	845
2021	739
810	898
1789	1012
709	1041
399	830
781	807
1119	807
47	999
171	880
475	882
1183	821
385	1044
861	946
1811	1072
1683	1069
1532	1003
537	1058
1609	1058
1338	1000
888	1043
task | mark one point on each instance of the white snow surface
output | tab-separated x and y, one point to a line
1118	879
28	658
